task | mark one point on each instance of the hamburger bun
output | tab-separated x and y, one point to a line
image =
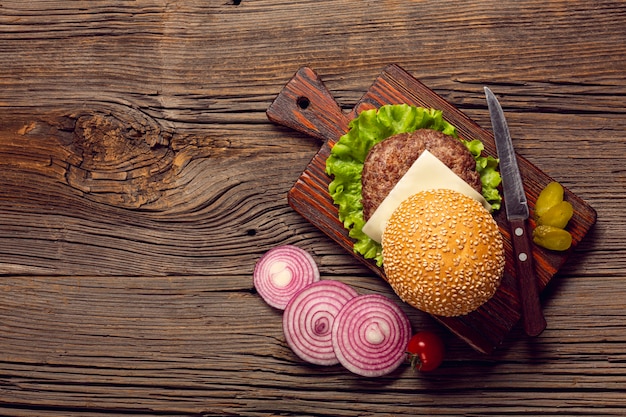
443	253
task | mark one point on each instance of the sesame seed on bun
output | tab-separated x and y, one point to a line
443	253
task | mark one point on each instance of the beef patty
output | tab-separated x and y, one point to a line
390	159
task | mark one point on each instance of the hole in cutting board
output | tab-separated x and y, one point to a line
303	102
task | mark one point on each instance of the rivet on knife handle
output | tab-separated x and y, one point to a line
516	207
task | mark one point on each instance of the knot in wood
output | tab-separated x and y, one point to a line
123	160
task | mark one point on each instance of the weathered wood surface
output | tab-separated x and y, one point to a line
140	181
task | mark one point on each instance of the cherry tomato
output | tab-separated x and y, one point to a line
425	351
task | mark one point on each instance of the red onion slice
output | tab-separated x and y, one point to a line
370	335
282	272
309	317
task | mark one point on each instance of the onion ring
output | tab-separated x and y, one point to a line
370	335
283	271
308	320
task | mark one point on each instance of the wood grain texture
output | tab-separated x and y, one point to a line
140	180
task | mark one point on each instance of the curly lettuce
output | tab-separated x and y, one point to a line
347	156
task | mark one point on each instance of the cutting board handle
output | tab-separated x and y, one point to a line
306	105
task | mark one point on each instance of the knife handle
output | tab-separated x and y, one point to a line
534	321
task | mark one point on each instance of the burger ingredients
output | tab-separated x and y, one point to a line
283	271
552	238
557	215
425	351
345	163
552	214
443	253
551	195
308	320
370	335
426	173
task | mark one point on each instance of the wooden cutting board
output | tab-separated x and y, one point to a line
306	105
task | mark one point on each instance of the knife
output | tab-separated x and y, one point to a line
516	207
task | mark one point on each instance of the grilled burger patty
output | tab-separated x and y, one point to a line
390	159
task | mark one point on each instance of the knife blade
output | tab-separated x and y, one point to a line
516	208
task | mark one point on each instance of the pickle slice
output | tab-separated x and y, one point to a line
557	215
552	238
550	196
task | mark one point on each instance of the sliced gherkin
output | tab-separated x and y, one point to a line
552	238
558	215
550	196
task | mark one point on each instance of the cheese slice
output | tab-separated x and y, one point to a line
426	173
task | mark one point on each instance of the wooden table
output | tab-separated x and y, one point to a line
140	180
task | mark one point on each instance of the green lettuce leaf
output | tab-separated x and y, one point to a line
345	163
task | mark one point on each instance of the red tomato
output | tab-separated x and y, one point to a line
425	351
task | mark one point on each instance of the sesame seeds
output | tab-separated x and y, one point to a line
443	253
